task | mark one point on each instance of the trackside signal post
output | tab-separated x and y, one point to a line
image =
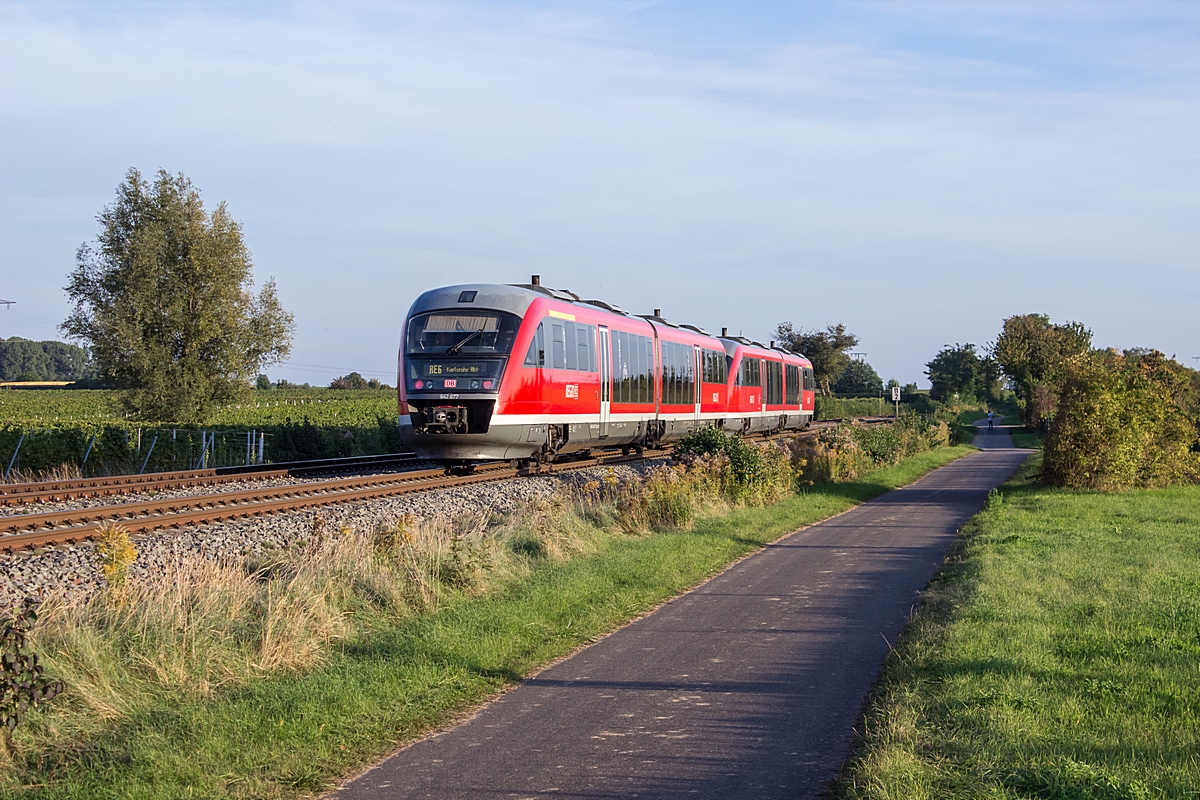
896	400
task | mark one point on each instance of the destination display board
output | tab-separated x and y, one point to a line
454	375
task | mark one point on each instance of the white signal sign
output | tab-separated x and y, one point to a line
895	394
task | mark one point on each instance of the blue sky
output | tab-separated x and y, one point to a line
918	171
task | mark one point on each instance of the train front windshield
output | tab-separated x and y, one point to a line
466	332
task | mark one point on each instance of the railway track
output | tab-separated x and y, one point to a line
32	531
39	530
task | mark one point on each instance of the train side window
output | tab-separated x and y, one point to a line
792	385
558	346
774	382
633	365
714	366
646	376
671	374
688	357
637	368
748	372
536	357
679	374
668	373
668	380
619	346
585	342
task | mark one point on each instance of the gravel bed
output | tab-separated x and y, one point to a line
74	570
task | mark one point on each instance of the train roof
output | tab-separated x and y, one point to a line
517	298
734	343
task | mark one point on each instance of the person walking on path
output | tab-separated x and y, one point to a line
990	416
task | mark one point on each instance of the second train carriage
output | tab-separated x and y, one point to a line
491	372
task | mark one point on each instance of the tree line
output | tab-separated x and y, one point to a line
26	360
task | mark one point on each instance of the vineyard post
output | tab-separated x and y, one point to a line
88	452
153	442
12	460
249	434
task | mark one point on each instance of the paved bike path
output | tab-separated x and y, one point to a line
746	687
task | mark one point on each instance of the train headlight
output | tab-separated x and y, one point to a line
487	384
420	384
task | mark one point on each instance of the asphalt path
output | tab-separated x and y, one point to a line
746	687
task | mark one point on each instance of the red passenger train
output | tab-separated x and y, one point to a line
491	372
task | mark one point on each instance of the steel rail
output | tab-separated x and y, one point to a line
57	491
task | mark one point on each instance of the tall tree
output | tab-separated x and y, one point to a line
826	349
960	370
858	378
165	302
1031	351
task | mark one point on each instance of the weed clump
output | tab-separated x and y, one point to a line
744	472
117	554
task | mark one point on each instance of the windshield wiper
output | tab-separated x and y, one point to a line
452	351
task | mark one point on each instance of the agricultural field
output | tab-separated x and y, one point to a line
61	428
89	407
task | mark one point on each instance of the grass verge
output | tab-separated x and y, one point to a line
1055	656
286	734
1025	438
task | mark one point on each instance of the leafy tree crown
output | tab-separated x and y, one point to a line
164	299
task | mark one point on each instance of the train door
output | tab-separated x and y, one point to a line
762	384
605	381
697	378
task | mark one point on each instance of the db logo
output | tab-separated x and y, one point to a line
572	391
452	383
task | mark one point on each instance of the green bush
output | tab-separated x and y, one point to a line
1122	422
756	473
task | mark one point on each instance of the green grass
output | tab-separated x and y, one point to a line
1024	438
287	735
1055	657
